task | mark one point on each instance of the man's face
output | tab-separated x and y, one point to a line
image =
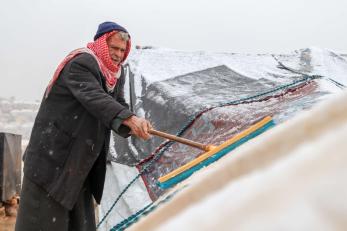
116	47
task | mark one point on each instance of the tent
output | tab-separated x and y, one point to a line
207	97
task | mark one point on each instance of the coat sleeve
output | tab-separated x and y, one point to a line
85	85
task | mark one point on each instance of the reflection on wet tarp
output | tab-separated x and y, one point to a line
171	87
170	103
221	123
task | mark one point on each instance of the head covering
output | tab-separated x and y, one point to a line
107	27
99	50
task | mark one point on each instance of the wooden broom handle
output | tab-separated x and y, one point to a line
181	140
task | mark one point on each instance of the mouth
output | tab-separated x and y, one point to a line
116	60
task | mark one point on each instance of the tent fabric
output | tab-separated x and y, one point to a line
294	172
168	87
10	165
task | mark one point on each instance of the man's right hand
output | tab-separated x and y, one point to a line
139	126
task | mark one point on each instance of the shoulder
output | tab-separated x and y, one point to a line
84	59
81	63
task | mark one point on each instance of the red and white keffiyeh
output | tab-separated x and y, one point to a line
99	50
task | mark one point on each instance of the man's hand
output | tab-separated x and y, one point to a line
139	126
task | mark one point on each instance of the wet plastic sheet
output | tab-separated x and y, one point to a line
222	123
169	87
10	165
170	104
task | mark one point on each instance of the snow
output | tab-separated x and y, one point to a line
157	65
117	178
302	191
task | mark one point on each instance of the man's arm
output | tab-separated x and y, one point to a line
83	83
87	89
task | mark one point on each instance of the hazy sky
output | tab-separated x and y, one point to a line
37	34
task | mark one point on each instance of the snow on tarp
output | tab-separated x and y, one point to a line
290	178
168	87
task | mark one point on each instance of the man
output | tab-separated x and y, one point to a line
65	161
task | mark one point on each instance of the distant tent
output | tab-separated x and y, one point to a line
10	165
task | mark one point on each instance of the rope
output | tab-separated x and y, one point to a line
143	212
131	182
282	66
155	156
340	85
164	146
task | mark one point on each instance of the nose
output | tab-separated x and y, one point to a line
119	53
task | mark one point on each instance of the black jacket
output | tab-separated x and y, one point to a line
70	137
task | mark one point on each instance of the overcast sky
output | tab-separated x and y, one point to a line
37	34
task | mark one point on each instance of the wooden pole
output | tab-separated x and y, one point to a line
182	140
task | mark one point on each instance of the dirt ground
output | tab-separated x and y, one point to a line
7	223
8	213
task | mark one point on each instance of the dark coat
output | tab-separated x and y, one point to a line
71	133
